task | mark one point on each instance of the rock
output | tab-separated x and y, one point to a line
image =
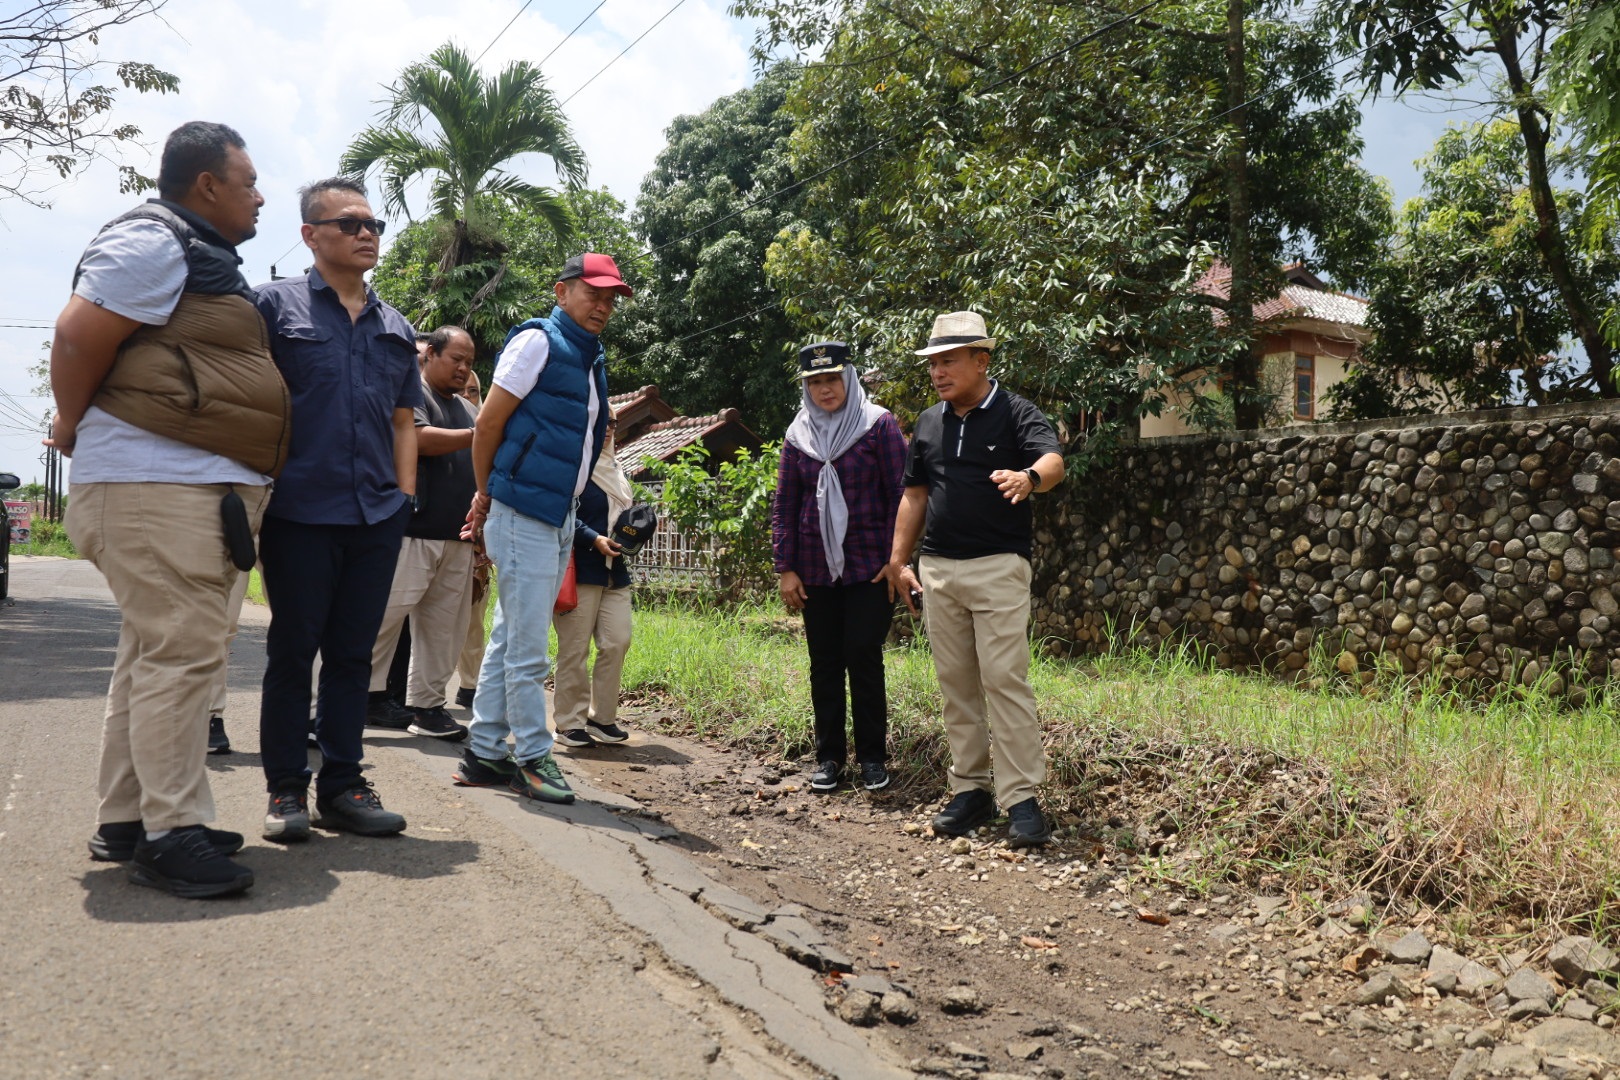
1579	1009
1479	1037
1380	988
961	846
875	985
1472	1063
1528	1009
964	1052
1410	948
1511	1060
1577	959
1472	977
1346	663
860	1009
898	1008
1602	994
961	1001
1025	1051
1226	933
1563	1037
1445	984
1560	1068
1526	985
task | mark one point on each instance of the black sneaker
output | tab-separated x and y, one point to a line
474	771
966	812
360	811
287	819
874	777
218	741
115	841
385	712
542	779
826	777
1026	825
436	723
606	733
575	739
464	697
186	864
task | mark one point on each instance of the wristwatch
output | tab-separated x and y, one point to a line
1034	480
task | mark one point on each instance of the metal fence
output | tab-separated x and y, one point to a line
671	559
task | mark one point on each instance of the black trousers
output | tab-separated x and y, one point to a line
845	626
328	586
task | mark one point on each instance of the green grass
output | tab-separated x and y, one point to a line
47	538
1502	807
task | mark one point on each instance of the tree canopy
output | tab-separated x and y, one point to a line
58	95
1064	170
719	335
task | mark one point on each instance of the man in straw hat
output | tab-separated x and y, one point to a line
974	463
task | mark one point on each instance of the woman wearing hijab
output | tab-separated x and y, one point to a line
587	699
837	492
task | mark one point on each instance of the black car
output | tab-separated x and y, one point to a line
8	482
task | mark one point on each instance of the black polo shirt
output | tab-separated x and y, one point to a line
953	456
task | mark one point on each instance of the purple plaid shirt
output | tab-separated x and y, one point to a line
870	473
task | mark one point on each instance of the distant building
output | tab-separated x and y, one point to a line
1308	336
649	427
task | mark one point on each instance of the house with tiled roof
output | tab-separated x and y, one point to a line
650	427
1307	336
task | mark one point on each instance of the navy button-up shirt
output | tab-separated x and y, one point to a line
346	378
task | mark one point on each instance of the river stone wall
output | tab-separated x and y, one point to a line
1482	543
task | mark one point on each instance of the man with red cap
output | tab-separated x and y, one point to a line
535	443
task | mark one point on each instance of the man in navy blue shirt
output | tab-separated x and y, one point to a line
333	530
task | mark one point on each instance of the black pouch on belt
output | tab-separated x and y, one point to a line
238	532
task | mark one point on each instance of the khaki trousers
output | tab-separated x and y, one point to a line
432	585
977	614
222	690
161	548
472	650
593	694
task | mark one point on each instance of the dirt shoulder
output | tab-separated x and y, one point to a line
1063	963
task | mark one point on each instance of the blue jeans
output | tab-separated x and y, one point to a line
530	558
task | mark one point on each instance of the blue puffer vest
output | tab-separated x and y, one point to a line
537	463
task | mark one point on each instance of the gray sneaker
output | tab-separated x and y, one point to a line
287	819
360	811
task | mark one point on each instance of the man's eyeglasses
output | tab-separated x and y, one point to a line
351	226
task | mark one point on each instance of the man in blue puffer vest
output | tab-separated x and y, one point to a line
535	444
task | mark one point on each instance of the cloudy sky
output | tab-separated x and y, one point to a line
299	78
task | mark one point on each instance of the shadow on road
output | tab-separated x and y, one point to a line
284	878
58	648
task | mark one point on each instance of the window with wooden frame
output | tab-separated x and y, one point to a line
1304	387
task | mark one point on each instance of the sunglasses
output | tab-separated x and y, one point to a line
351	226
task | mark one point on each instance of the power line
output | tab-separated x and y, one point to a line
570	34
626	49
504	29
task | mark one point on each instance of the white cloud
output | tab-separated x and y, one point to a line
299	79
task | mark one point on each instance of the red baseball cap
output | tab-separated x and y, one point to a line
594	269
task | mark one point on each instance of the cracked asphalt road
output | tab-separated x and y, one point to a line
496	937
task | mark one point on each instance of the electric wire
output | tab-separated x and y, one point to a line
626	49
570	34
504	29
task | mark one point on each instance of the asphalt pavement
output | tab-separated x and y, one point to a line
496	937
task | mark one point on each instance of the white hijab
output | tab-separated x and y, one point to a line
825	437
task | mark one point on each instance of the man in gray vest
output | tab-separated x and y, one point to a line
169	403
433	581
538	435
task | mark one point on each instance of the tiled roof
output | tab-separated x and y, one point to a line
619	401
663	441
1296	301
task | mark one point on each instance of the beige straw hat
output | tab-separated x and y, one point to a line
956	329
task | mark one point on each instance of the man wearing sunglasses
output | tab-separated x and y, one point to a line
333	529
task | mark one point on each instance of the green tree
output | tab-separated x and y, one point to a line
534	256
479	125
1431	44
57	99
1068	172
715	163
1465	314
727	509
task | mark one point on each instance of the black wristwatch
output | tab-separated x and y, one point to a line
1034	480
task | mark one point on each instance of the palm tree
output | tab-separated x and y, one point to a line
482	125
